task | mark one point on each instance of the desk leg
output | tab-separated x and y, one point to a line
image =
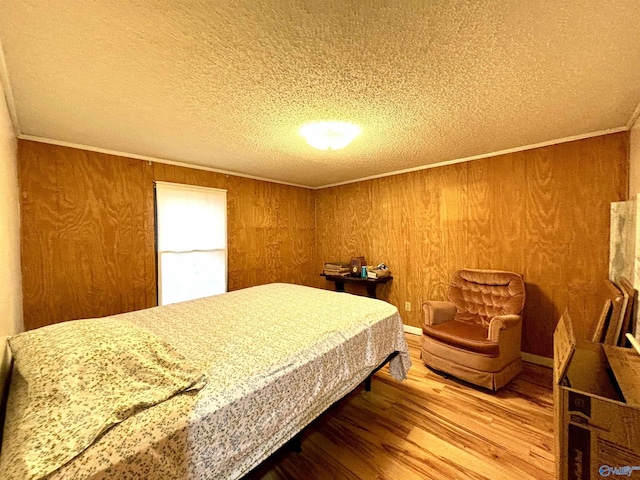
371	290
339	286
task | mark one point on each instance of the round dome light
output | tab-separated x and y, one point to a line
329	135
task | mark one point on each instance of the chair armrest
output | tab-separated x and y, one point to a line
438	312
502	322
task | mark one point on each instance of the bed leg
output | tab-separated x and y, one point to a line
367	383
295	444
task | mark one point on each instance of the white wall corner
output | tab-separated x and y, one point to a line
11	321
634	159
635	281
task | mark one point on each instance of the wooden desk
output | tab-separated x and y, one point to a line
370	283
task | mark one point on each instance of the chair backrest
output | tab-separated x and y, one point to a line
480	295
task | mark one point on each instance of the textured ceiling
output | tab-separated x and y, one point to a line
227	84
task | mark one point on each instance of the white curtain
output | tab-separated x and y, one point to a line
192	242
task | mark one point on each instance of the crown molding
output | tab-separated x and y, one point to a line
346	182
148	158
484	155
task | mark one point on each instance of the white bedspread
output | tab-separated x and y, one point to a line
276	357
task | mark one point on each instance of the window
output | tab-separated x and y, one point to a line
191	239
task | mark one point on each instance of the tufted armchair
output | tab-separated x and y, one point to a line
476	335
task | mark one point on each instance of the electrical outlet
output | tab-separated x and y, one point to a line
407	306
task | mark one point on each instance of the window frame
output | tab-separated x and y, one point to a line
187	186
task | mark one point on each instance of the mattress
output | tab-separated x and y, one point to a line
276	356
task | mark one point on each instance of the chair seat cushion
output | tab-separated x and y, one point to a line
463	335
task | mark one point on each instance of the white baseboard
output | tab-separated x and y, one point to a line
537	359
412	330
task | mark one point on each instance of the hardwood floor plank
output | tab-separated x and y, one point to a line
470	463
428	427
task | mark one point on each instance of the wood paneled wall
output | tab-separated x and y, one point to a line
88	231
87	241
543	213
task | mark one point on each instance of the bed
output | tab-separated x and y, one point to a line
252	368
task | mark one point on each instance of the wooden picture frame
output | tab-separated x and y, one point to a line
603	322
632	293
619	300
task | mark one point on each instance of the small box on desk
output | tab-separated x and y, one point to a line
597	408
377	273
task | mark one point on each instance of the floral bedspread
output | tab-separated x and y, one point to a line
276	356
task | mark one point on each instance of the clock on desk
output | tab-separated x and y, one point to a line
356	266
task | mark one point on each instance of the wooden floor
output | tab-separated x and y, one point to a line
428	427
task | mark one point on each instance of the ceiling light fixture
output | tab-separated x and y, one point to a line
329	135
